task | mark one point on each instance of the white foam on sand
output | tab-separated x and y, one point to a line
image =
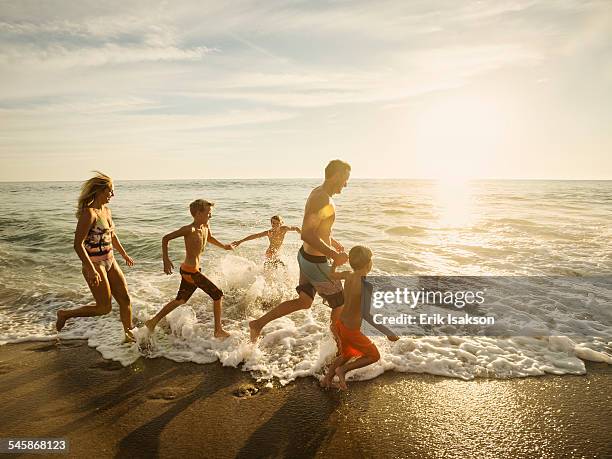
300	345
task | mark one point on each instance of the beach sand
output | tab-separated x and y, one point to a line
156	407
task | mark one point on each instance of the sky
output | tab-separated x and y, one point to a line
245	89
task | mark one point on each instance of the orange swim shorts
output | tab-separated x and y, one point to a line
354	343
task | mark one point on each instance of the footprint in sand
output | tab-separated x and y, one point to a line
44	348
245	390
165	393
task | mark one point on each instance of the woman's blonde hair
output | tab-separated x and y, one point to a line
90	188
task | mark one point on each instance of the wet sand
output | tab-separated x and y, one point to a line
160	408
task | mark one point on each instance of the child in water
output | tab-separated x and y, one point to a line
196	235
276	236
353	343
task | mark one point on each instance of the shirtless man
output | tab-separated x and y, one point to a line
276	236
319	247
196	234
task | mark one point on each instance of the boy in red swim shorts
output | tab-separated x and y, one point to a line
195	235
353	344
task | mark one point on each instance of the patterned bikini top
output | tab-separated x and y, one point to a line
98	242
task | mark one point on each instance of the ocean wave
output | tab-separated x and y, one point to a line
405	231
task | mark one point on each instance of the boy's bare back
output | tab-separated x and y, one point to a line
351	312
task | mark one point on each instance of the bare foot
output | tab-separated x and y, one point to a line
129	337
326	382
61	320
341	381
220	333
254	330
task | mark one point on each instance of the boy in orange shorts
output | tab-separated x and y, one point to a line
353	343
196	235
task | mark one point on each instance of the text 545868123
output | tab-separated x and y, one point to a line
33	445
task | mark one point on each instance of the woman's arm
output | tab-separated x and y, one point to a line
117	243
86	221
117	246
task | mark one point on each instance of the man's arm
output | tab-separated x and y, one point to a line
248	238
336	245
183	231
335	275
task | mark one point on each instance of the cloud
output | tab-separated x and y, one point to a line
94	41
146	75
109	54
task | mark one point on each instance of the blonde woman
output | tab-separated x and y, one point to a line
94	241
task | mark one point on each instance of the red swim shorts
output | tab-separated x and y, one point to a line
354	343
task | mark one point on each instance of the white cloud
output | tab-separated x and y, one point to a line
144	74
109	54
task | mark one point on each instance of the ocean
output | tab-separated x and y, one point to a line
509	228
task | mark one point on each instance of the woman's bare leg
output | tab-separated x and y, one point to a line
100	292
119	291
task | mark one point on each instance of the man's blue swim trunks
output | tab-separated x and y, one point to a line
314	278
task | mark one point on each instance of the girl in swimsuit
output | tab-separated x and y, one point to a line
94	241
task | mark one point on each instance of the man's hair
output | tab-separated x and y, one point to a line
359	257
199	205
277	217
335	166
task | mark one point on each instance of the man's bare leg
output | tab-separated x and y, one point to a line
167	309
219	332
286	307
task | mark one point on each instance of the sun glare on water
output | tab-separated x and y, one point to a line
453	203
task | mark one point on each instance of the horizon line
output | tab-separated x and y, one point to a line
321	178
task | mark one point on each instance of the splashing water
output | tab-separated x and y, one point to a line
413	227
